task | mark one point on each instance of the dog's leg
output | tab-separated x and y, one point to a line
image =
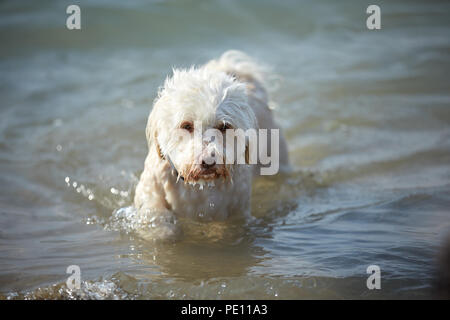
157	220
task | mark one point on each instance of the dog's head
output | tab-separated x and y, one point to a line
194	113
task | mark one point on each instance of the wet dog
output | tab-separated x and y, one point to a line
227	93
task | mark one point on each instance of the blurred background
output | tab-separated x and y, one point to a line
366	115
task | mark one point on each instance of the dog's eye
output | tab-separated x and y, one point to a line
187	126
224	126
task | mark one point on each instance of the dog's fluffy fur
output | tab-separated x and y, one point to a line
227	90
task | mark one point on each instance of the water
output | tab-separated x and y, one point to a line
366	115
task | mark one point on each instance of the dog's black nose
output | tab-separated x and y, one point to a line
206	165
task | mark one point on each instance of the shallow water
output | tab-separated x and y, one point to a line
366	115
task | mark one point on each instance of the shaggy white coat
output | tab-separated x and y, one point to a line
227	90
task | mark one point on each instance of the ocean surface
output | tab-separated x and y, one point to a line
366	114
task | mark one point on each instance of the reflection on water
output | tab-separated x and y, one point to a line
366	115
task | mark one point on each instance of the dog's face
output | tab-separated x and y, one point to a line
191	118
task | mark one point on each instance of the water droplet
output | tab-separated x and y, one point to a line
59	148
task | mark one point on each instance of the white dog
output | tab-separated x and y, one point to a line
227	93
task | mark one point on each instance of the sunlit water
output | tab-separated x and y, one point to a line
366	115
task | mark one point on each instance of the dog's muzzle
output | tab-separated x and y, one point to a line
206	172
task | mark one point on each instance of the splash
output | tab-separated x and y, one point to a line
148	224
89	290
